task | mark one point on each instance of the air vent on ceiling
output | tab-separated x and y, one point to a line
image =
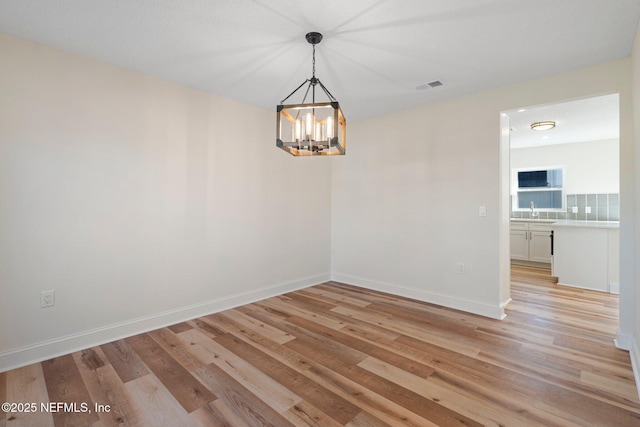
424	86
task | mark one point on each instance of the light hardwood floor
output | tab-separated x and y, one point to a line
337	355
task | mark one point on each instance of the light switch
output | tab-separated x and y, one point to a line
587	209
574	209
482	211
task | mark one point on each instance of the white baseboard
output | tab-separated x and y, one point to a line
629	343
59	346
502	306
545	265
603	289
614	288
624	341
475	307
634	353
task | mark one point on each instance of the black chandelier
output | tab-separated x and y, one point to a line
311	129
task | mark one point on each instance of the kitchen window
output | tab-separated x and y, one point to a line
542	188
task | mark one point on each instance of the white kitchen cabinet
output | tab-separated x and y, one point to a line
540	244
519	240
530	241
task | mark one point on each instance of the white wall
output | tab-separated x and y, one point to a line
631	303
405	203
406	198
591	167
141	203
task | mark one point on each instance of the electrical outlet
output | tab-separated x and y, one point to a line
587	209
460	268
574	209
47	298
482	210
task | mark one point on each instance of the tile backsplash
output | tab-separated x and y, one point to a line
604	207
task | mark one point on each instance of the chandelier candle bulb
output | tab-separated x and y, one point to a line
308	126
297	131
329	125
319	133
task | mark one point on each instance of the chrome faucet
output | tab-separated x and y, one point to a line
534	214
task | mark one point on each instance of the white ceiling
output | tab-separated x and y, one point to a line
591	119
374	55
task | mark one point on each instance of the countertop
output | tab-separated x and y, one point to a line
571	223
548	221
586	224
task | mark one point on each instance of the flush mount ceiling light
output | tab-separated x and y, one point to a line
315	128
543	125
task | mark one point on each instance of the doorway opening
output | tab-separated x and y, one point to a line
567	174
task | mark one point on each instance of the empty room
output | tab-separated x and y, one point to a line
283	212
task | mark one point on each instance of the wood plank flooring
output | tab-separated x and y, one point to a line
338	355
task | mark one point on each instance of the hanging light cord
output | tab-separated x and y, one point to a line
313	77
313	71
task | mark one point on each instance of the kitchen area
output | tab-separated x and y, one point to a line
565	206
